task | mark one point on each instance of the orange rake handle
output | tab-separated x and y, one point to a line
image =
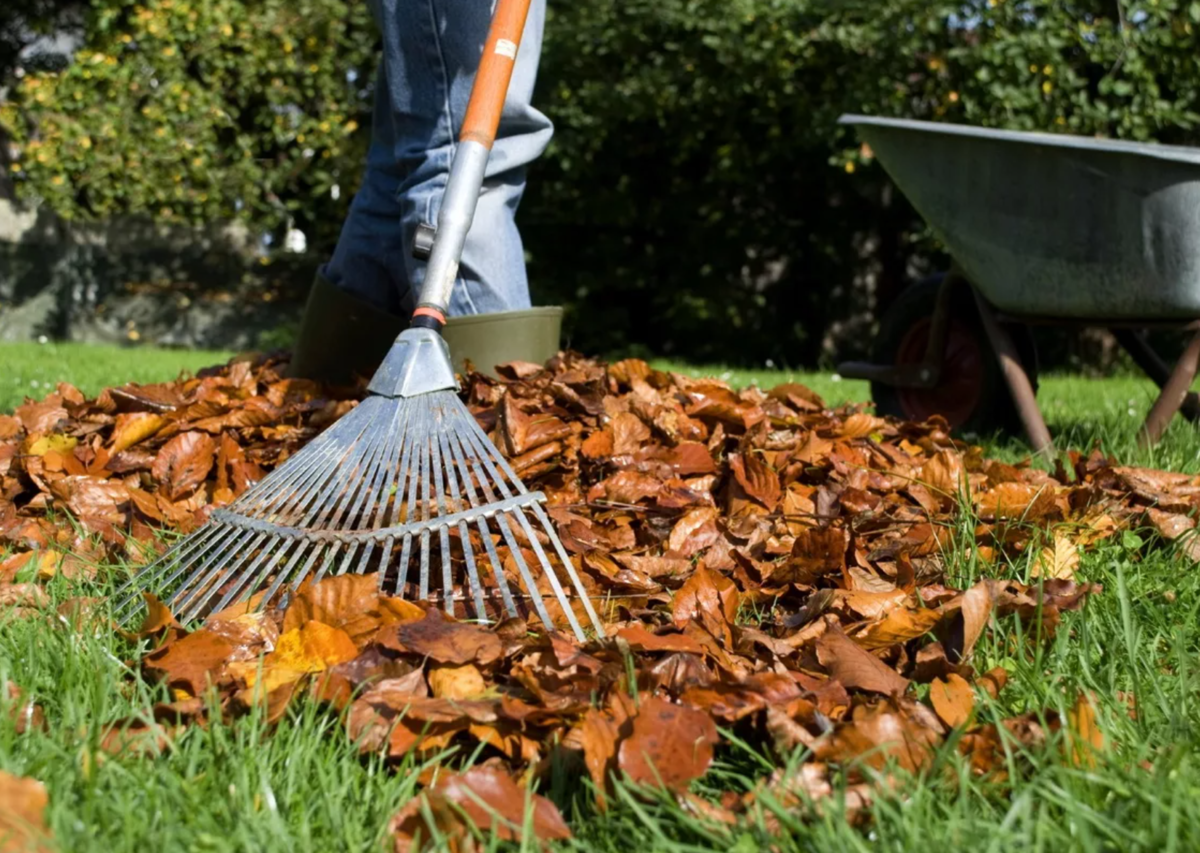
488	94
495	71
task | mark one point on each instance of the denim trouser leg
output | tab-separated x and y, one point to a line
431	49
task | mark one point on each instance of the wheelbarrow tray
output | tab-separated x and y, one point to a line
1054	226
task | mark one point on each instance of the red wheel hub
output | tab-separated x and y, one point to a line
960	387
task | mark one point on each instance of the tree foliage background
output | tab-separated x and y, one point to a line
699	198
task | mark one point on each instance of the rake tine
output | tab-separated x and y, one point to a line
486	493
443	531
424	508
315	507
559	593
180	601
248	577
361	509
303	471
472	468
404	477
298	551
129	591
405	556
379	500
298	474
542	517
527	578
229	537
454	469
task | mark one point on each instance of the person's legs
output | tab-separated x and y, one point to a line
431	49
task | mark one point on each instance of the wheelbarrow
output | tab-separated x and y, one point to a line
1041	229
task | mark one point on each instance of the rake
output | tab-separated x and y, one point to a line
406	482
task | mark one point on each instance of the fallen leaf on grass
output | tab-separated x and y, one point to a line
953	699
313	647
442	639
25	714
481	800
22	807
1059	559
1086	739
670	745
856	668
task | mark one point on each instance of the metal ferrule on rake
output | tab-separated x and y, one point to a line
407	482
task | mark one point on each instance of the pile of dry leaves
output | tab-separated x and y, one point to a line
772	566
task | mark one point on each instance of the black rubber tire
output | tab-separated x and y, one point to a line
995	411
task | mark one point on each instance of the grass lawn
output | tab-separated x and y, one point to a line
304	787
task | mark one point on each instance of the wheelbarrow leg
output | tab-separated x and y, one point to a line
1017	379
1173	395
1134	342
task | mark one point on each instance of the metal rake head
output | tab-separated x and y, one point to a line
409	487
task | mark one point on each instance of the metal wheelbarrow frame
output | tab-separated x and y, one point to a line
1051	229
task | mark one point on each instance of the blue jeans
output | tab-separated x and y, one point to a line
431	49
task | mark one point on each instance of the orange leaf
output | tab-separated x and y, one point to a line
450	681
311	648
953	699
483	798
22	806
133	428
855	667
670	745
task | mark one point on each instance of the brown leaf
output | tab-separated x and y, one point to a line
22	808
694	532
855	667
816	552
709	597
43	417
898	626
481	799
444	640
670	745
641	640
718	403
628	434
975	610
184	462
350	602
191	662
757	479
953	699
1023	501
25	714
23	595
599	733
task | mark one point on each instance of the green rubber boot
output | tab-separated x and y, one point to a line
487	340
341	336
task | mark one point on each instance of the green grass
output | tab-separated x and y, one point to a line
33	370
303	787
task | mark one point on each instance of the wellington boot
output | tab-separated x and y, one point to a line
341	336
487	340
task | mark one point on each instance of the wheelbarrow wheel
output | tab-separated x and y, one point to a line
971	393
